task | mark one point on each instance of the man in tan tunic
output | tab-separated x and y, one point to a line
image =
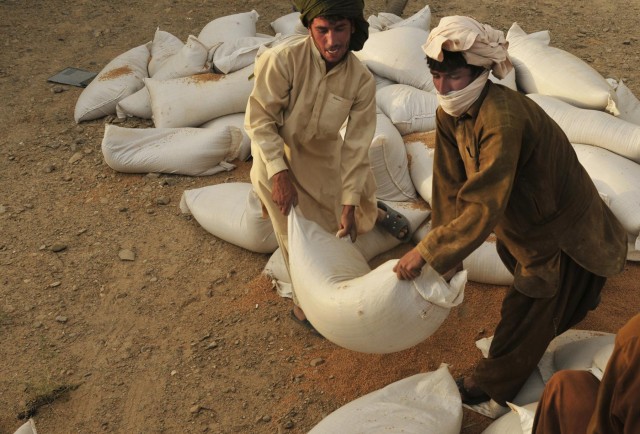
502	165
305	89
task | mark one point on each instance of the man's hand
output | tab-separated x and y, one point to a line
410	265
348	223
283	192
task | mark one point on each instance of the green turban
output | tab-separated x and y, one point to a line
352	9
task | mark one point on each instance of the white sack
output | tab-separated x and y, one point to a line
485	266
232	212
420	158
118	79
518	421
628	103
592	127
135	105
509	81
192	101
618	180
289	24
410	110
397	55
547	70
229	28
633	248
189	60
427	403
234	120
164	46
185	151
382	82
370	244
573	349
387	20
388	159
358	308
234	55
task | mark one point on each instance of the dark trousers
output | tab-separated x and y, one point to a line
527	326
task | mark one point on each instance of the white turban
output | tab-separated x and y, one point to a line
480	44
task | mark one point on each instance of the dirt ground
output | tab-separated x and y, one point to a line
188	337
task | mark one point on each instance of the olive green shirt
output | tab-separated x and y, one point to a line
504	166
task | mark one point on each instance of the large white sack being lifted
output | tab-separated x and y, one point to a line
360	309
371	244
592	127
231	212
192	101
120	78
547	70
184	151
427	403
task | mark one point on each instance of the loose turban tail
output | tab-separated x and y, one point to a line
353	9
480	44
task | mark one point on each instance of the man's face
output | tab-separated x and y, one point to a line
331	38
451	81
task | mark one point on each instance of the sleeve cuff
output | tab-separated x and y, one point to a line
275	166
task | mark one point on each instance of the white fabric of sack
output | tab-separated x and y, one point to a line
548	70
189	60
618	180
388	159
397	55
573	349
518	421
370	244
232	212
136	105
426	403
628	103
386	20
633	248
29	427
192	101
163	46
234	120
185	151
592	127
509	81
360	309
382	82
410	110
420	158
229	28
485	266
120	78
289	24
232	56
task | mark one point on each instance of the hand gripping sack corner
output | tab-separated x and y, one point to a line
360	309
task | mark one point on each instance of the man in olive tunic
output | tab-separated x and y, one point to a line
502	165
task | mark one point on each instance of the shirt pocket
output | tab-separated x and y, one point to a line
333	114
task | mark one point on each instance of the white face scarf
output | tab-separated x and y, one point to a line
457	102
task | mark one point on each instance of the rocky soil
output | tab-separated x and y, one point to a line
119	314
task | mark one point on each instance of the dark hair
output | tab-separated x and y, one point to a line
452	60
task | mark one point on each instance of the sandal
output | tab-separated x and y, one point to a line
394	223
470	397
305	323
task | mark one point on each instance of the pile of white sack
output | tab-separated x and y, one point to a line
196	93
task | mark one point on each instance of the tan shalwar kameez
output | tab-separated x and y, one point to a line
293	118
505	166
